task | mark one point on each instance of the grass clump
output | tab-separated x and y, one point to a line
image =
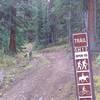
97	87
97	80
98	60
6	61
98	96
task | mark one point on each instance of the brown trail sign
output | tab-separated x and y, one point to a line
82	66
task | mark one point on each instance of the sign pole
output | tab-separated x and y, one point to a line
83	67
90	55
91	5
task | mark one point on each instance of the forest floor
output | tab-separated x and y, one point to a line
53	78
50	76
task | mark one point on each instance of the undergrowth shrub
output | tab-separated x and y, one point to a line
98	60
6	60
97	87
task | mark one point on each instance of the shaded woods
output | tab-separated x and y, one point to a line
35	47
42	21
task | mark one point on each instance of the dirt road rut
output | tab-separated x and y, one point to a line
54	81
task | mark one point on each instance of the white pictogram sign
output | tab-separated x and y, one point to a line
84	63
79	65
83	70
83	78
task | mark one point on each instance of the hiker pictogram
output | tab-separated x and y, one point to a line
82	64
79	64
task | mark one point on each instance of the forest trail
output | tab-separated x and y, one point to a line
54	81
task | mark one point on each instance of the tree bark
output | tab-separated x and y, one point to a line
0	41
92	22
12	45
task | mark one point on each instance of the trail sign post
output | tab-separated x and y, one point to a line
82	66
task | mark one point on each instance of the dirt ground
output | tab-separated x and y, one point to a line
52	81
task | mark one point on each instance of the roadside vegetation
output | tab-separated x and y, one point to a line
14	66
30	28
96	69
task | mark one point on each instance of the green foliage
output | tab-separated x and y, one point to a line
98	96
6	60
98	19
97	87
5	40
97	80
46	21
20	38
98	60
25	21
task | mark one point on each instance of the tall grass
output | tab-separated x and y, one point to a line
98	60
6	60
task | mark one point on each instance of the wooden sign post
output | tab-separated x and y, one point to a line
82	66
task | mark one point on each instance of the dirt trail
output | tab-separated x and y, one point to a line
54	81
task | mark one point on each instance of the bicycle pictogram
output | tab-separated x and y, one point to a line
84	91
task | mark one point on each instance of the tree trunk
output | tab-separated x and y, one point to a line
12	45
0	41
92	22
